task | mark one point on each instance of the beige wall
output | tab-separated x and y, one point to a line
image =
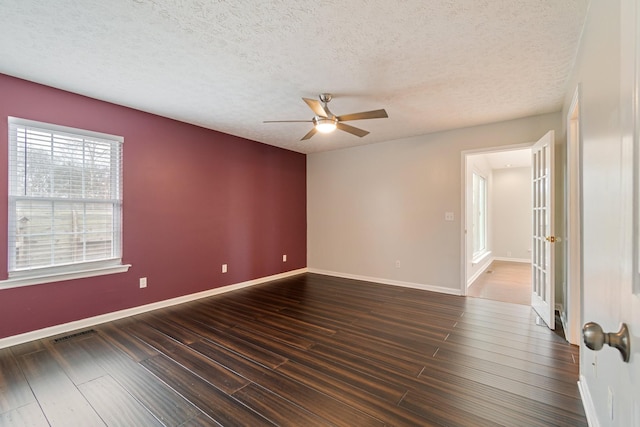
373	205
511	214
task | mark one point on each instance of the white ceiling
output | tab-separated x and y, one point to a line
229	65
520	158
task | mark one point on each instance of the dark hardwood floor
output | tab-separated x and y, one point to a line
304	351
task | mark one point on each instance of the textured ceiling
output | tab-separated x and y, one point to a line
229	65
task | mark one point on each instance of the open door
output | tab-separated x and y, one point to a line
542	272
610	182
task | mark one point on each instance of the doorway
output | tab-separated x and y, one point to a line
499	269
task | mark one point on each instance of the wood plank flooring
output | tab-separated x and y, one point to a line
504	281
309	350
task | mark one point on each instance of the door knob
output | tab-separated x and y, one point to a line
595	338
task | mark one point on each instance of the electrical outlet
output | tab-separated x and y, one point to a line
143	282
224	268
284	258
398	264
448	216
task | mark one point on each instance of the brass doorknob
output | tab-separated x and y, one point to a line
551	239
595	338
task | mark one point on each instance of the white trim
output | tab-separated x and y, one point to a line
65	129
481	211
424	287
47	266
587	402
480	257
635	107
479	272
522	260
16	282
572	222
108	317
563	320
487	150
464	258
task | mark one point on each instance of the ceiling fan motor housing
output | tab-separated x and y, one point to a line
325	97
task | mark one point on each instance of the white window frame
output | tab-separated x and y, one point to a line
75	270
479	212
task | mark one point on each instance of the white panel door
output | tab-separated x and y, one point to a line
542	280
611	211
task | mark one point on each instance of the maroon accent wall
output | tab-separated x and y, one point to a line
193	199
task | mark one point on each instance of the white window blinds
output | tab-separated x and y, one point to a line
65	196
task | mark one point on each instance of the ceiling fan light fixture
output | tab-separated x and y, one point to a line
325	121
325	124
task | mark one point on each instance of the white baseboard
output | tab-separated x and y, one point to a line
523	260
563	320
479	272
424	287
108	317
587	402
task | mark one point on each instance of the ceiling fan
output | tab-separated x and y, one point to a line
325	121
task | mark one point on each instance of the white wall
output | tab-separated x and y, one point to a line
372	205
511	219
604	71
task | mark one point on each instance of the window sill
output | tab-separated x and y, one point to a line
28	280
478	258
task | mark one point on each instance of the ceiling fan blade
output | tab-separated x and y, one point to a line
375	114
309	134
287	121
316	106
352	130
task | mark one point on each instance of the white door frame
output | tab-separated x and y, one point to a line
464	244
571	314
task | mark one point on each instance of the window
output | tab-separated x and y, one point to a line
65	200
479	214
